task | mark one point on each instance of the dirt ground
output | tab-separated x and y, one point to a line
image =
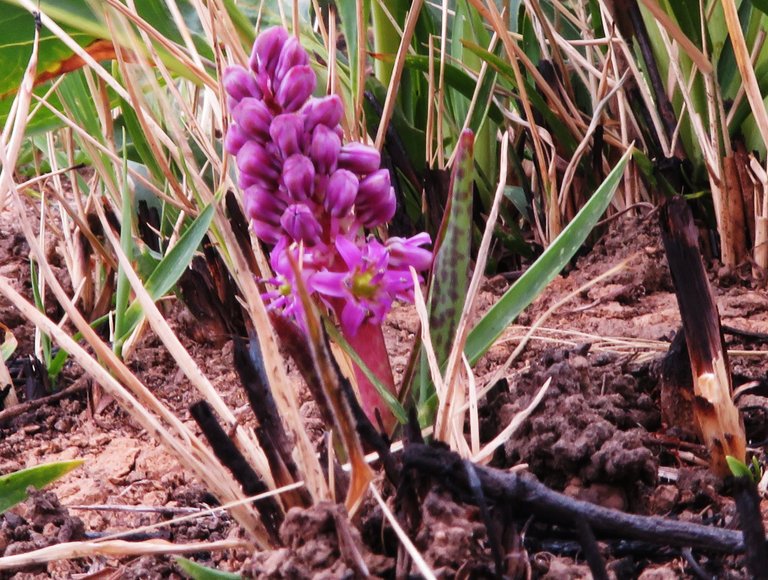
598	435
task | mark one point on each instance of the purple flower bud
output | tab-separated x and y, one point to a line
374	187
299	222
325	149
234	140
326	111
266	232
404	253
287	132
254	117
254	160
266	50
359	158
295	88
240	84
340	193
292	54
264	204
376	203
299	177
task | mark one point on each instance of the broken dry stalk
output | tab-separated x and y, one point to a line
717	419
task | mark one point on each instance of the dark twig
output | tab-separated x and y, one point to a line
591	551
750	517
226	451
28	406
530	495
249	364
490	528
696	568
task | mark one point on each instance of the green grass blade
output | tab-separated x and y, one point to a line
172	266
198	572
45	340
546	267
123	290
13	487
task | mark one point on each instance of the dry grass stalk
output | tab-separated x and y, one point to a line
486	454
413	552
113	548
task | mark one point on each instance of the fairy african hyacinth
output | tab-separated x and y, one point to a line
310	195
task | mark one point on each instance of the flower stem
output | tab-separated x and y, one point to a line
369	344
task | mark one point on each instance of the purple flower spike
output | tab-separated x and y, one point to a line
296	88
287	132
239	84
266	50
292	54
253	117
404	253
326	111
299	177
234	140
300	223
359	158
340	193
254	160
325	149
308	195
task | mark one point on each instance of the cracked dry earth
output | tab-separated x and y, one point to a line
599	435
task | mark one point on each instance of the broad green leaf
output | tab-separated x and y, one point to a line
199	572
457	79
686	12
739	469
761	5
172	266
13	487
545	268
348	15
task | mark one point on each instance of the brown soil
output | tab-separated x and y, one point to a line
598	435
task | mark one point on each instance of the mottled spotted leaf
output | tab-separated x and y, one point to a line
450	273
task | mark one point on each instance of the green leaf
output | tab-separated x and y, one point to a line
738	469
505	70
199	572
9	344
761	5
172	266
353	37
450	271
123	290
457	79
86	27
13	487
544	269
